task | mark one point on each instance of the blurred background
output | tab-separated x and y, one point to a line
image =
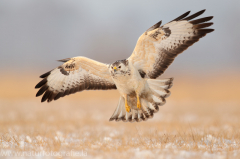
35	33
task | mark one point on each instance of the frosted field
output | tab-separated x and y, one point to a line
201	119
178	130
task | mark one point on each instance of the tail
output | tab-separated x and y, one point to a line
149	105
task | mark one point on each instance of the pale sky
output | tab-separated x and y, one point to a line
36	33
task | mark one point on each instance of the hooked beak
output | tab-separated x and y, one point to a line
115	69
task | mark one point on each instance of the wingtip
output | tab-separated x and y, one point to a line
43	100
211	17
211	30
187	13
201	11
64	60
181	16
41	83
157	25
160	22
45	74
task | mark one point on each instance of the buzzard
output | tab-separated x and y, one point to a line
136	78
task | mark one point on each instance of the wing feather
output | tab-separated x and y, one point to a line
195	15
181	16
159	45
76	74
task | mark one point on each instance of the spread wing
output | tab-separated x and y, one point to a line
159	45
76	74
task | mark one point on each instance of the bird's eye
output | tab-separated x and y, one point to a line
119	66
112	67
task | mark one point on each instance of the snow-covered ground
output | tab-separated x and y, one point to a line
72	129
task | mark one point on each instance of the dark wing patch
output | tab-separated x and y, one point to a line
142	73
63	71
167	31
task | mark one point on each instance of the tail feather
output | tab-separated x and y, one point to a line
154	107
134	115
141	116
148	112
159	90
128	117
149	105
158	100
164	83
118	110
145	118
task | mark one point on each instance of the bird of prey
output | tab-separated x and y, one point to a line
136	78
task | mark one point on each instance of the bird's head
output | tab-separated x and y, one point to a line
119	67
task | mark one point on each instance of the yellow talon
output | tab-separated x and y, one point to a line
127	106
138	103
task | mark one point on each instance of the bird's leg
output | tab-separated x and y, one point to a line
127	107
138	101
